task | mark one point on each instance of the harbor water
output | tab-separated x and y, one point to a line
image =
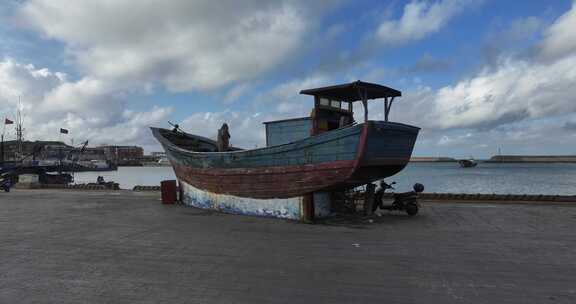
486	178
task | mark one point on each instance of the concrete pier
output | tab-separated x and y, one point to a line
66	246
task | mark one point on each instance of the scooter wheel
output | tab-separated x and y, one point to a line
411	209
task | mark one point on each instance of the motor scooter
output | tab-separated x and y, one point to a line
406	201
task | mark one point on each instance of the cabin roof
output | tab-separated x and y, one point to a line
350	91
289	119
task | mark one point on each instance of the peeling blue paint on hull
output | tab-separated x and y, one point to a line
286	208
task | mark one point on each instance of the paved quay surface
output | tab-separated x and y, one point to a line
125	247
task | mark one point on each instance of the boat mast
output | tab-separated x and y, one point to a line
19	129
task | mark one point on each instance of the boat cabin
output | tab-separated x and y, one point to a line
333	109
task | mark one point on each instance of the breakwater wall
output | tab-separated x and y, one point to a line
424	196
78	186
87	187
493	197
457	196
146	188
532	159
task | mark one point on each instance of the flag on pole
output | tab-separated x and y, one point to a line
63	131
8	121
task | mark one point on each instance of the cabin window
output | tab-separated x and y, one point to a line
335	104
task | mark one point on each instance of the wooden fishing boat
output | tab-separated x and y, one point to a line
324	152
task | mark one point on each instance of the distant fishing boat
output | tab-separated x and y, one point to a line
323	152
467	163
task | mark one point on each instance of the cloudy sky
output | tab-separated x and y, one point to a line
475	75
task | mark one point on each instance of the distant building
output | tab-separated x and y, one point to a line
155	159
124	155
92	154
158	154
55	150
35	150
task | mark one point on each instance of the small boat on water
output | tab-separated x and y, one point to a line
467	163
326	151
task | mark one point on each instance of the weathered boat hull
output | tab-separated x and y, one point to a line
338	159
293	208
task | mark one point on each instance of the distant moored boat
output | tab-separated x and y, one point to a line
467	163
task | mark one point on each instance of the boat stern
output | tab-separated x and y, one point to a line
386	150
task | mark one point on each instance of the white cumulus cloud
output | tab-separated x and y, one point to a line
515	89
182	45
91	109
560	37
420	19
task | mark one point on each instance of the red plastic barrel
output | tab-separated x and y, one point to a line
168	189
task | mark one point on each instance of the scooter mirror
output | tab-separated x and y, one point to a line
418	187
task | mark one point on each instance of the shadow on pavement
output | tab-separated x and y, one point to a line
357	221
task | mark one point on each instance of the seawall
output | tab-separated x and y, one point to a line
532	159
478	197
